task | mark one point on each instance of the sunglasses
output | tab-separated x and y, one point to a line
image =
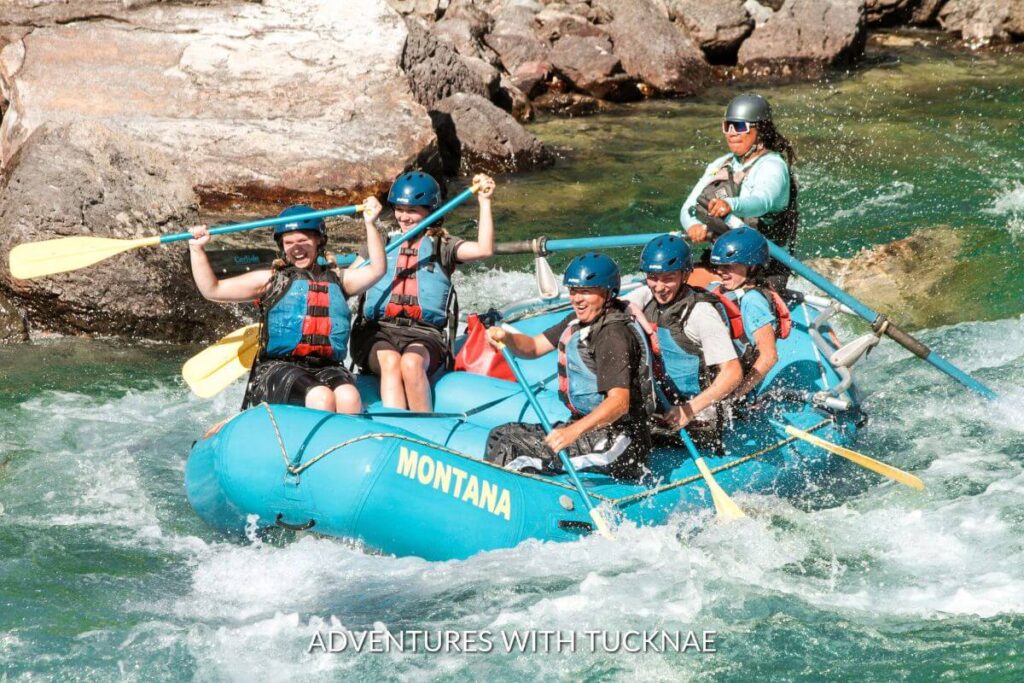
736	127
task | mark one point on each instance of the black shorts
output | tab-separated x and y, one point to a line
373	336
284	381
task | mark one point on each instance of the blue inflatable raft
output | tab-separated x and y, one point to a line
409	484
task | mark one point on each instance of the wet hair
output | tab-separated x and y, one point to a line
772	139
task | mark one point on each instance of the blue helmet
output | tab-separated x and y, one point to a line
593	270
312	224
745	246
666	254
415	188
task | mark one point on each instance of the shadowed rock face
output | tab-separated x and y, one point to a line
279	98
84	179
718	27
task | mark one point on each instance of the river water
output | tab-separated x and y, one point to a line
106	574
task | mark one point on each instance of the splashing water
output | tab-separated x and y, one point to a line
107	575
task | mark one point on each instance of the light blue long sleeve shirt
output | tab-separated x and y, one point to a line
765	188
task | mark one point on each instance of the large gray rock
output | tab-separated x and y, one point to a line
84	179
475	135
980	22
806	37
653	49
718	27
278	99
588	62
512	37
436	71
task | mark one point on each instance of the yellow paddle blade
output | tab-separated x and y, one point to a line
864	461
726	508
36	259
601	524
214	369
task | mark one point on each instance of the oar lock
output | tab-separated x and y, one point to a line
848	354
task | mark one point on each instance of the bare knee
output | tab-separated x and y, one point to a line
320	398
347	400
414	368
390	362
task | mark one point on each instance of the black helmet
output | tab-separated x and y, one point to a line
749	108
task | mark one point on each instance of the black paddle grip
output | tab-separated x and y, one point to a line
907	342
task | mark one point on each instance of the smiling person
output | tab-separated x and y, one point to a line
407	320
604	379
753	181
696	364
739	257
305	317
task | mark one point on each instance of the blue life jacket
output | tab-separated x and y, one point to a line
305	316
577	369
415	287
679	369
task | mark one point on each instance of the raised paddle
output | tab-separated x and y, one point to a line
880	323
725	507
36	259
864	461
599	522
215	368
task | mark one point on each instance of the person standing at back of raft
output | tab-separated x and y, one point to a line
753	181
604	378
407	319
696	364
305	317
739	257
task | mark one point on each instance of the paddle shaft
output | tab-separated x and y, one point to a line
266	222
878	322
546	423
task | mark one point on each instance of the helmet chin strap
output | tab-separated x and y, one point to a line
754	149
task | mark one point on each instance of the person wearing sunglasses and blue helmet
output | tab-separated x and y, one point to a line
303	310
753	181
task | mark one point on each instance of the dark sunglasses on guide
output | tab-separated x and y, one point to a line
733	127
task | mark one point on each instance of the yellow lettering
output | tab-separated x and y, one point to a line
426	470
504	505
442	476
460	476
488	495
472	493
407	462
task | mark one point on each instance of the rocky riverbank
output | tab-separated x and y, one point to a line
120	119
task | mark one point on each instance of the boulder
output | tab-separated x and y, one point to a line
652	49
804	38
82	178
718	27
588	63
429	9
278	100
556	23
475	136
512	37
926	12
980	22
436	71
888	12
909	279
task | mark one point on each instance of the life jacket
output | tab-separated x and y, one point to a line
679	369
779	226
745	347
577	368
415	287
305	316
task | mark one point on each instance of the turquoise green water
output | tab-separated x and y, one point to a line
107	575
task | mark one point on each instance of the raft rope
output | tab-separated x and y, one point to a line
714	470
618	502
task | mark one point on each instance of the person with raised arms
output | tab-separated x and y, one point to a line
407	320
604	379
739	257
303	310
695	364
753	181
